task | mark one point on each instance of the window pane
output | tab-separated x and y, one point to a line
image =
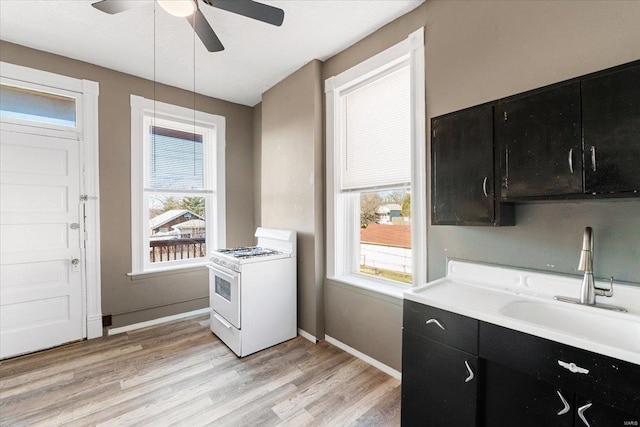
385	234
25	104
176	228
175	159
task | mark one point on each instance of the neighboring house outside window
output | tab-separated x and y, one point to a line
177	186
376	216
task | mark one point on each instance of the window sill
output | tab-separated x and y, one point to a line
387	289
176	269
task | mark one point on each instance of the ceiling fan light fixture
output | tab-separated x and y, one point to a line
179	8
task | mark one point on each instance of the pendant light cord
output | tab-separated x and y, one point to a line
154	64
194	70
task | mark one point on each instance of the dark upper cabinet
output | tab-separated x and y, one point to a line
611	128
462	169
577	139
540	137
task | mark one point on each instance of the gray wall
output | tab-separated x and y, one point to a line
131	301
291	183
257	165
480	51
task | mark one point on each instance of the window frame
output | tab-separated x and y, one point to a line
342	209
145	113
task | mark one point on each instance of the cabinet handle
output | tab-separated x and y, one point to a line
573	367
564	402
470	377
571	160
484	186
436	322
593	158
581	411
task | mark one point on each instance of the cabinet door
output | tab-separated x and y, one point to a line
462	167
611	126
437	388
523	400
595	414
540	136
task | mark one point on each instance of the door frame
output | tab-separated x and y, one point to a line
86	132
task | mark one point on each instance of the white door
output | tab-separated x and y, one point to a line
40	256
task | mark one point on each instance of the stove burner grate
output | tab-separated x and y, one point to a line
249	252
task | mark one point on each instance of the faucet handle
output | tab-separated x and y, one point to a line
605	292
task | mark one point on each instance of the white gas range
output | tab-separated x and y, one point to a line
252	292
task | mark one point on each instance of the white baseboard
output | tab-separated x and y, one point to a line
94	326
153	322
370	360
307	335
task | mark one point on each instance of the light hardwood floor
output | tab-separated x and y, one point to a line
179	373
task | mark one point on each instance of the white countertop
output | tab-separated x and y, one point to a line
523	300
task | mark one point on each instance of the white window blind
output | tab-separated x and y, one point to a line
175	160
377	133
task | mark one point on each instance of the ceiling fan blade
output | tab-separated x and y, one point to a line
117	6
251	9
204	31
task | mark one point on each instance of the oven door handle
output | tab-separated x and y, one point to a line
221	320
223	271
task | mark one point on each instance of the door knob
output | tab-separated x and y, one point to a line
75	261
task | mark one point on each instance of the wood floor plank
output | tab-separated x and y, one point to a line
386	412
290	407
140	415
29	387
360	406
179	373
242	401
300	419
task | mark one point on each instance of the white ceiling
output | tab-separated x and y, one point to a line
256	55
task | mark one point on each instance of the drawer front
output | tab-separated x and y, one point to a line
227	333
611	381
452	329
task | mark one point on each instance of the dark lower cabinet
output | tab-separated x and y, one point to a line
595	414
514	380
523	400
437	387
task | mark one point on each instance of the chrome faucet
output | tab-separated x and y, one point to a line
589	290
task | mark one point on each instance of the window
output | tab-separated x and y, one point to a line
177	193
376	219
23	104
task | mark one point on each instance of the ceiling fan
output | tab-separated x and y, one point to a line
189	9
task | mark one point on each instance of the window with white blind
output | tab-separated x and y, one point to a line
376	131
177	186
376	219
